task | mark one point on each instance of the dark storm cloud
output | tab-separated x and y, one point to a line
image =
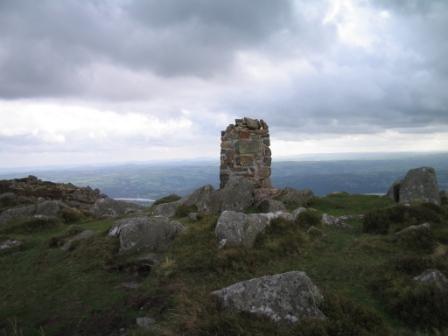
44	45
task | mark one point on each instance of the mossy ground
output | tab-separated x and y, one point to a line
45	291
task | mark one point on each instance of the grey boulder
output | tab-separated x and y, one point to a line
290	297
166	209
237	195
239	229
295	198
48	209
418	186
9	244
201	198
271	205
145	233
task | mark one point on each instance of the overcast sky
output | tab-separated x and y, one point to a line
98	81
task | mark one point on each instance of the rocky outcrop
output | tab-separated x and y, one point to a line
239	229
33	189
201	198
145	233
245	152
50	209
290	297
340	221
237	195
433	277
418	186
271	205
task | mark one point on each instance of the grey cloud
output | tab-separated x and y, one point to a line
44	45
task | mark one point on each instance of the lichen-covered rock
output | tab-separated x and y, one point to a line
433	277
239	229
201	198
166	209
50	209
290	296
145	233
237	195
418	186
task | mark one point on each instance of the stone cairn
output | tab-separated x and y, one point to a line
245	152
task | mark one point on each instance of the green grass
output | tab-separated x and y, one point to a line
44	289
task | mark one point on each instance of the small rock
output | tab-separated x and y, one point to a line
290	296
297	212
239	229
9	243
130	285
425	227
193	216
145	233
433	277
314	232
166	209
145	322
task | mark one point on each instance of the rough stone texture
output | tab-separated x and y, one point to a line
145	233
295	198
9	243
433	277
50	209
237	195
290	296
33	189
109	208
166	209
201	199
239	229
340	221
145	322
418	186
245	152
86	234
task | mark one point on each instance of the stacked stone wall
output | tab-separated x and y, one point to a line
245	152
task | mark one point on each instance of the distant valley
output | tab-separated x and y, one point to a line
151	181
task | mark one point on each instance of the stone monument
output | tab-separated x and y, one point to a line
245	152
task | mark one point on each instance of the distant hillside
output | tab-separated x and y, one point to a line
323	177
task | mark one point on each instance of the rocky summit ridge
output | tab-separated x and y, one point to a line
244	259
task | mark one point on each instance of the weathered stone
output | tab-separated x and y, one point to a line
201	198
245	152
422	228
145	322
239	229
340	221
17	213
86	234
418	186
433	277
145	233
237	195
290	297
314	232
9	244
166	209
